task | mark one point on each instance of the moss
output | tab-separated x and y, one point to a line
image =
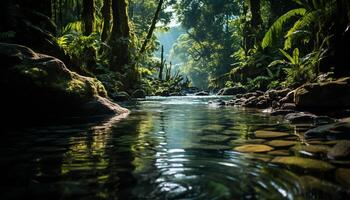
31	72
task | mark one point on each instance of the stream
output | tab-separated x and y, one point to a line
167	148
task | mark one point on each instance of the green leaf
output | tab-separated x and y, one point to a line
296	56
276	62
289	57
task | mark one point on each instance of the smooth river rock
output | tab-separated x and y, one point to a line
253	148
281	143
304	163
311	149
265	134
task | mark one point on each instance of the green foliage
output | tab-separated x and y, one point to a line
298	69
276	29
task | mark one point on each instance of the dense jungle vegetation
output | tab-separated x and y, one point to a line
255	44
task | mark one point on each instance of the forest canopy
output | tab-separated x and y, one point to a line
166	46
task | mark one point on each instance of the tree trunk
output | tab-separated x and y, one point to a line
88	16
120	36
252	27
254	6
153	26
161	67
106	14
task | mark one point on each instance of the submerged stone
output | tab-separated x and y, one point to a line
311	149
209	147
265	134
279	153
215	138
304	163
281	143
253	148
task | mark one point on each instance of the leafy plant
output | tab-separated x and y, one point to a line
310	15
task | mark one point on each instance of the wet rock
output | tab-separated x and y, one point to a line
281	143
202	93
251	102
217	102
277	94
279	153
342	175
288	106
48	89
289	98
304	163
300	118
139	93
253	148
337	130
340	151
281	112
265	134
249	94
256	141
232	91
215	138
324	96
310	149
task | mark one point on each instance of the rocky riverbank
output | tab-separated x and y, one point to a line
318	114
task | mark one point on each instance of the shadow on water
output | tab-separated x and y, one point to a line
167	148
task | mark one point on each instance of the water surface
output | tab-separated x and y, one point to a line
167	148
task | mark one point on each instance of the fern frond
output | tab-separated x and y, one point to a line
277	26
303	22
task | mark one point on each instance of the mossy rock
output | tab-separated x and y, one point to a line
253	148
304	163
281	143
42	87
265	134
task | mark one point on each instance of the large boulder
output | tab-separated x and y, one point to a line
37	86
324	96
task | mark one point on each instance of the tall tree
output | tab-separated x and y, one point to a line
252	27
152	27
88	16
106	14
120	36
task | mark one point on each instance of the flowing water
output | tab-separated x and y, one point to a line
167	148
